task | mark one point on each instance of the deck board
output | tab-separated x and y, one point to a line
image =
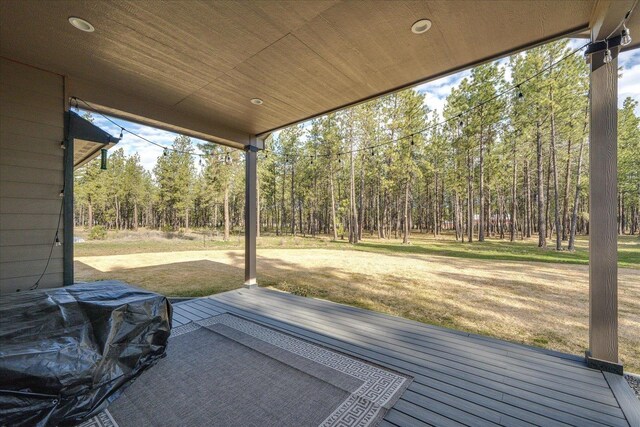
459	378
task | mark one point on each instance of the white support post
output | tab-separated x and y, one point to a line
251	216
603	258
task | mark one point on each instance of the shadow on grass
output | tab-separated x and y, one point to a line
499	250
180	279
390	294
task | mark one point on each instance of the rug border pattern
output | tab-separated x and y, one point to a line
362	408
364	405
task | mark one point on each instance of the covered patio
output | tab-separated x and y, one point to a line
233	73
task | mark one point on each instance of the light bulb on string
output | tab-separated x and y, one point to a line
412	142
164	152
607	54
57	241
626	36
121	131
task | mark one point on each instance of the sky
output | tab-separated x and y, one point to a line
435	93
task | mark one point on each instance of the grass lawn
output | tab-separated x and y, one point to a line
513	291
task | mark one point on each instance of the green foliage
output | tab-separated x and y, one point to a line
394	166
98	232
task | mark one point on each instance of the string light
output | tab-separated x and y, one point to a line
62	146
103	159
123	129
57	241
61	194
626	36
607	53
441	123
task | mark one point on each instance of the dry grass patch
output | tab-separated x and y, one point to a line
541	304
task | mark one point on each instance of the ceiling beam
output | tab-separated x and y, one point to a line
107	100
606	16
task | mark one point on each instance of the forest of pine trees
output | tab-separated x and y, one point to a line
513	167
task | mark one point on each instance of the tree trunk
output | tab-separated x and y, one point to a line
528	199
405	237
333	203
565	203
435	206
378	222
361	210
469	198
574	215
514	200
556	200
293	199
481	220
353	221
282	207
257	207
542	222
90	215
227	220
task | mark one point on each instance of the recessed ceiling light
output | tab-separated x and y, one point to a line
81	24
257	101
421	26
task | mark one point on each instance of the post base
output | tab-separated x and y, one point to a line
603	365
250	284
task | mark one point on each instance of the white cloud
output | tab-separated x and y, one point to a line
132	144
437	91
629	83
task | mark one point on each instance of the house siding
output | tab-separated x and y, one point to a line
31	176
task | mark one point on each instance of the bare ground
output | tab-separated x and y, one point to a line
543	304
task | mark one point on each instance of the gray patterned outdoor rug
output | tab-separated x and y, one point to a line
229	371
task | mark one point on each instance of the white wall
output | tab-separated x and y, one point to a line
31	175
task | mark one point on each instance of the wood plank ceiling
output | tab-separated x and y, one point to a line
207	59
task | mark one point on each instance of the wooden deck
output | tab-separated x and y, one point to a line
459	378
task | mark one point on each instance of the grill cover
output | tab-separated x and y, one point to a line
65	353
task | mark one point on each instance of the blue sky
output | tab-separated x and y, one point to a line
435	93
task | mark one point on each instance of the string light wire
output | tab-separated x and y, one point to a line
462	114
124	129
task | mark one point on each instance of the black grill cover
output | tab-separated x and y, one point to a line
65	353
